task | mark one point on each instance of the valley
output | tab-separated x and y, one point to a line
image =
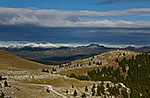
51	54
67	80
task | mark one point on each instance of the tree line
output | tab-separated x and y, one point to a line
137	79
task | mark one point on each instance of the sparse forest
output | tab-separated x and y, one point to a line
135	75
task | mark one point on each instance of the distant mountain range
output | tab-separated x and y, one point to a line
53	54
33	45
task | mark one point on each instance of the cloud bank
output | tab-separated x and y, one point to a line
60	18
118	1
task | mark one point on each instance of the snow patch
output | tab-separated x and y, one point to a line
34	45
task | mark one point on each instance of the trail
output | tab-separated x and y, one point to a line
49	88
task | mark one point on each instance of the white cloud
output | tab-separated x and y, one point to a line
59	18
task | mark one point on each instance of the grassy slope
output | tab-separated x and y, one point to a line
7	60
10	61
108	57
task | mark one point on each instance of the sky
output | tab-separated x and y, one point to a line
76	5
76	13
31	19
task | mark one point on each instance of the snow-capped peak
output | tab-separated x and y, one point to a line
3	46
34	45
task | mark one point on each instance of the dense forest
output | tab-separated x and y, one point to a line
133	72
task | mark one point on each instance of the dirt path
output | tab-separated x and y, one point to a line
49	88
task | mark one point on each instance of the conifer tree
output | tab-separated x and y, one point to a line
89	63
5	84
66	91
86	89
93	91
75	93
117	60
0	78
2	95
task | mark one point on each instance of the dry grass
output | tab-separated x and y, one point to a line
109	57
22	90
10	61
79	71
60	82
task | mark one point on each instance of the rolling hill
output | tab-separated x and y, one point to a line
51	54
106	59
11	61
97	76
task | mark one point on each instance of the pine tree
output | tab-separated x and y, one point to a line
117	60
47	90
72	86
43	70
124	54
93	86
0	78
53	69
89	63
93	91
72	75
107	85
5	84
86	89
2	95
66	91
98	90
75	93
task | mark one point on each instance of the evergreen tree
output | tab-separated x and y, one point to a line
72	75
117	60
66	91
93	91
5	84
2	95
72	86
98	90
43	70
107	85
0	78
54	69
86	89
124	54
93	86
47	90
75	93
137	78
89	63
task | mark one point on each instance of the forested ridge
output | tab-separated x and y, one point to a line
133	72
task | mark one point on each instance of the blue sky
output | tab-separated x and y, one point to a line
73	5
78	5
34	14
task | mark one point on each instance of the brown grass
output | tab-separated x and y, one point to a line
79	71
60	82
10	61
101	57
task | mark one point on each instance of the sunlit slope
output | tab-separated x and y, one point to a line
10	61
106	59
